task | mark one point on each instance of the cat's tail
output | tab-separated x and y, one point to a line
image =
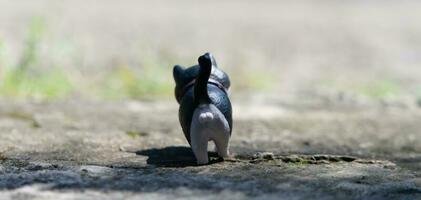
201	95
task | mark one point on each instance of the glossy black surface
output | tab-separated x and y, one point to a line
187	107
183	76
217	96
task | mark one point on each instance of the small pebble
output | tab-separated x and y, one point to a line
264	155
323	162
292	159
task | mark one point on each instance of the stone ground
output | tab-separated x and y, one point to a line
318	149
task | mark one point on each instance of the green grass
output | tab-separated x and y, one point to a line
379	89
151	78
374	89
134	134
27	79
37	29
24	79
252	80
18	83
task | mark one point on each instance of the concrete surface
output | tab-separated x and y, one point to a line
283	149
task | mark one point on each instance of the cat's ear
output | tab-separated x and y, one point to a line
213	60
178	73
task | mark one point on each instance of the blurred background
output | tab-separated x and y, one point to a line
108	49
326	98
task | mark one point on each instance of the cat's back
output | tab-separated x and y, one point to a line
218	97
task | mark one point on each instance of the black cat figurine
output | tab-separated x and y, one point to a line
205	112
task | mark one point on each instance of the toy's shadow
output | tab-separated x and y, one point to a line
174	157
